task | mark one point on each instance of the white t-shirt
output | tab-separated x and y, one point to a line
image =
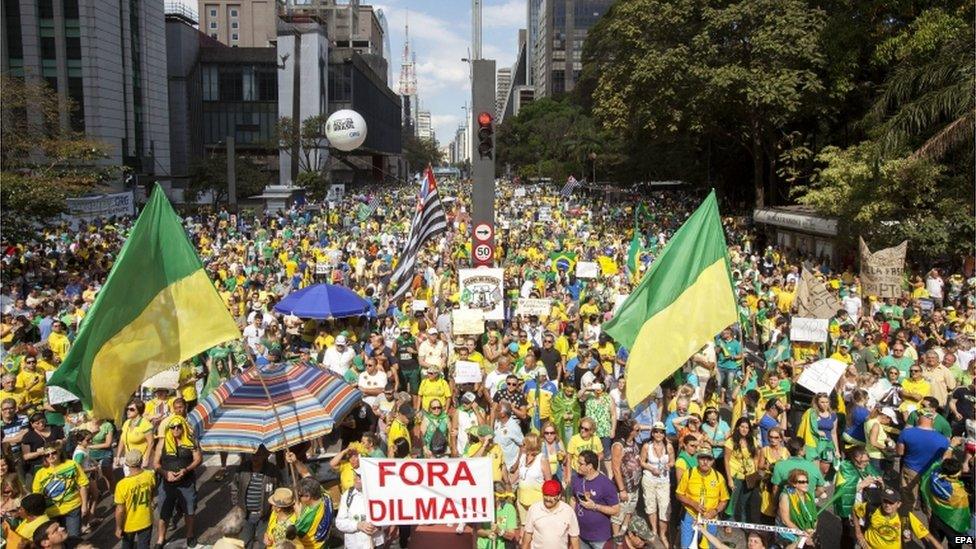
494	380
934	286
253	335
374	381
337	361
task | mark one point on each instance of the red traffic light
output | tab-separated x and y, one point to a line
484	119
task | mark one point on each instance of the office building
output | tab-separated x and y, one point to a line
533	10
110	60
424	129
558	50
503	85
239	23
519	92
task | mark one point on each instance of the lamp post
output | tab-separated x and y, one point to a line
593	168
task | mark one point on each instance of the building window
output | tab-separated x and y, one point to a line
213	25
213	12
233	12
231	85
267	84
233	24
213	35
233	37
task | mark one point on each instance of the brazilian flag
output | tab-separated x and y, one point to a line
562	261
946	497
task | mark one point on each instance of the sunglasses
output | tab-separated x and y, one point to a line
511	383
914	371
547	433
436	408
131	410
585	429
802	481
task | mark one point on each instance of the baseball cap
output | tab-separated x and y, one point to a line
551	488
513	347
658	425
468	397
640	528
340	340
432	331
890	494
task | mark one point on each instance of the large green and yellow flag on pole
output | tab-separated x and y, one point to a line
156	309
684	300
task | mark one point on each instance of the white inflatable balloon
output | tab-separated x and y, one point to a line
345	130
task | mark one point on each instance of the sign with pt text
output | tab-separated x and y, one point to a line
883	270
428	491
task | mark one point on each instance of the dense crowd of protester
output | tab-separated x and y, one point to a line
880	461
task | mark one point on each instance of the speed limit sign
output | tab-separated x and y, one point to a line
483	252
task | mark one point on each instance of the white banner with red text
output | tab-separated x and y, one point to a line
428	491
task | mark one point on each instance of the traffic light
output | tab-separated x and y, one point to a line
486	141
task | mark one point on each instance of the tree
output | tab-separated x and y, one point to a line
420	152
44	162
912	178
555	138
313	151
209	175
735	71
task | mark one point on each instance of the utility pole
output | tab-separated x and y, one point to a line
231	174
483	162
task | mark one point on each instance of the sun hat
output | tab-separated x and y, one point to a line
282	497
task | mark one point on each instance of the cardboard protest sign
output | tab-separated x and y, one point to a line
418	305
533	307
813	299
467	322
466	371
809	329
587	269
484	290
883	270
429	491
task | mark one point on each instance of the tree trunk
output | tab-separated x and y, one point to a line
757	165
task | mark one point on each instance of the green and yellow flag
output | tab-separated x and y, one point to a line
156	309
562	261
683	301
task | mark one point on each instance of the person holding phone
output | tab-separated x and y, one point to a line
597	501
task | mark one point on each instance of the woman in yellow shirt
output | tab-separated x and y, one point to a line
741	466
137	433
433	387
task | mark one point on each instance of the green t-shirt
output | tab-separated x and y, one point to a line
782	469
903	364
940	423
507	519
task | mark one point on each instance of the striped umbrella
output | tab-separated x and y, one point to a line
306	402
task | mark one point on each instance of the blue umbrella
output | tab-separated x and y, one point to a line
324	302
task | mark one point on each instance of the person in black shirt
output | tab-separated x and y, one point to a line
551	358
176	459
962	407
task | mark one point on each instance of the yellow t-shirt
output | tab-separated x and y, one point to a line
709	489
61	486
918	387
497	459
741	464
25	379
59	344
17	396
26	529
431	389
188	383
137	436
135	493
577	445
884	532
398	430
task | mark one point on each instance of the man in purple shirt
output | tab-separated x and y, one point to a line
596	501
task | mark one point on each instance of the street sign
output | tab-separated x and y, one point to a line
483	253
483	232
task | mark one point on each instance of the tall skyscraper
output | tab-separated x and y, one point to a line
563	25
109	59
424	129
503	84
533	9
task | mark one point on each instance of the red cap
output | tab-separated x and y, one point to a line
551	488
